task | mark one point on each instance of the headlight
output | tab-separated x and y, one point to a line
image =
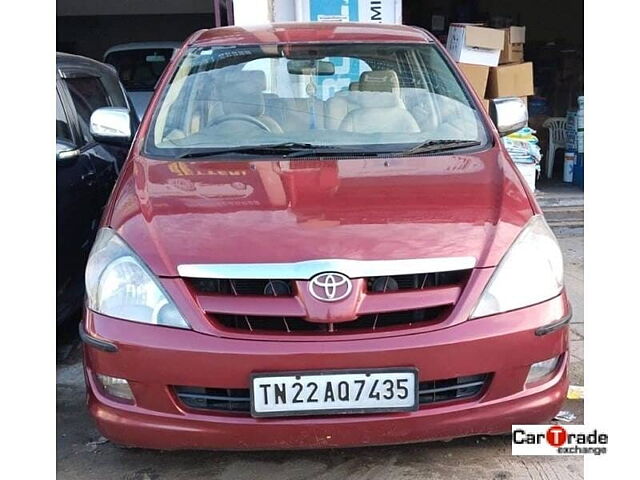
530	272
120	285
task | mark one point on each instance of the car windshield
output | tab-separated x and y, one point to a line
340	98
140	69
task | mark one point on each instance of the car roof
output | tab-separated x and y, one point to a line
141	46
67	61
310	32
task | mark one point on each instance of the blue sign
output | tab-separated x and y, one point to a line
347	70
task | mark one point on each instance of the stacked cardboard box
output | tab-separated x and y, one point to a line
475	49
513	49
477	75
492	59
513	77
493	62
469	43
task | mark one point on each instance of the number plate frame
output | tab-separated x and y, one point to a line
336	411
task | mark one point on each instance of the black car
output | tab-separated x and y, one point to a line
86	168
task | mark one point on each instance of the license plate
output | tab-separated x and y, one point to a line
334	392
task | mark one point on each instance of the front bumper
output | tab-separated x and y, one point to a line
153	358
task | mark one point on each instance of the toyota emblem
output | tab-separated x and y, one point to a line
330	287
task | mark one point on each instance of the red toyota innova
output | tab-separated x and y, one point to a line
319	240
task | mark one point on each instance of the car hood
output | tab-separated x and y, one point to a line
267	211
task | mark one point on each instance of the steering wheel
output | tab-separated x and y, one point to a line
242	118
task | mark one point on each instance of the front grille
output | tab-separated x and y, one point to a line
253	323
365	323
250	305
435	391
279	288
223	399
418	281
274	288
409	318
238	399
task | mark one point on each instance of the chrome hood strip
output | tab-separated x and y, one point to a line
308	269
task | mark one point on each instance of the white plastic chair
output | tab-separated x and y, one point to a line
557	139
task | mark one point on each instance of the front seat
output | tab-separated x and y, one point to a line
241	93
381	108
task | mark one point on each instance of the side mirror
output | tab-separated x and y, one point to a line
111	125
509	114
66	153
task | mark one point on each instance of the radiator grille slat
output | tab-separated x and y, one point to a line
372	322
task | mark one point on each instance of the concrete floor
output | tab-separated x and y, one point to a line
83	454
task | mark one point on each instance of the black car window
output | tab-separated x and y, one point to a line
139	70
88	94
63	131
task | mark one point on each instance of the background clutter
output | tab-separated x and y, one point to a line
492	57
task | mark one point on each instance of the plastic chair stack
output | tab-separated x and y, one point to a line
557	139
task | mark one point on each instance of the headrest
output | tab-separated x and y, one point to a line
249	81
354	86
379	81
241	92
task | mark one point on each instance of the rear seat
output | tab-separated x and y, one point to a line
301	114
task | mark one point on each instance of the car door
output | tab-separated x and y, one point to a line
76	208
86	180
88	93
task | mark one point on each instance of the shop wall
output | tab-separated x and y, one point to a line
546	20
92	35
131	7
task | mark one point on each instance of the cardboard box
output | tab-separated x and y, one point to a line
513	49
474	44
511	80
477	76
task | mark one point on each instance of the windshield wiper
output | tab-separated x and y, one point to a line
300	149
287	149
440	145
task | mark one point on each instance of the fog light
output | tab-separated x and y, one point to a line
542	369
115	387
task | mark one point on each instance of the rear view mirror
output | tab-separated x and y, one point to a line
310	67
509	114
155	58
111	125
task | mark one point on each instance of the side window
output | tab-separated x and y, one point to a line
88	94
63	131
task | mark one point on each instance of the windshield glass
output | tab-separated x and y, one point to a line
139	70
365	97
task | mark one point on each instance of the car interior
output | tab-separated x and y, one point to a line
237	104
